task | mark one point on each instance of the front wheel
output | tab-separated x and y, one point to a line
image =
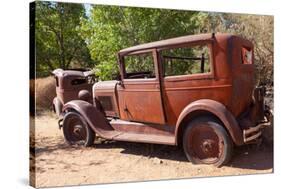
76	130
205	141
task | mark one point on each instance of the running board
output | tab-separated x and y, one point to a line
122	130
145	138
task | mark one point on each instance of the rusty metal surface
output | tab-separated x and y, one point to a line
251	134
141	102
167	42
141	99
217	109
94	118
144	128
75	130
243	79
216	85
146	138
204	144
98	122
106	90
57	106
66	90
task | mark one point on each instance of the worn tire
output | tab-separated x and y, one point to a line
205	141
76	130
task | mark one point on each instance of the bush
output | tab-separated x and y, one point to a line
45	92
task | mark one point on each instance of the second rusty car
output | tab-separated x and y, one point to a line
194	91
72	84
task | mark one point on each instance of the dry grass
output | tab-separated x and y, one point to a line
45	92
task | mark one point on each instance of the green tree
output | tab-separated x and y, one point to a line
58	44
111	28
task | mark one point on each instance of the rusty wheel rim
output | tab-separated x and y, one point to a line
76	131
205	145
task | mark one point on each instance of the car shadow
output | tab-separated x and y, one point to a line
253	157
244	157
144	149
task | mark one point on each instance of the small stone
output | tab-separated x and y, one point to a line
157	161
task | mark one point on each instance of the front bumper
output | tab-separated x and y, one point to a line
252	134
259	111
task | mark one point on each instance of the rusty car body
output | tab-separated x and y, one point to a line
195	91
72	84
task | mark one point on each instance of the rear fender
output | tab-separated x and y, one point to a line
95	119
218	110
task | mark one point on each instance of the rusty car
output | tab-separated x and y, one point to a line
197	92
72	84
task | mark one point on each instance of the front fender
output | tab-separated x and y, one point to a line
217	109
57	106
96	120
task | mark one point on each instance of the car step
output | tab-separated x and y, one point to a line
146	138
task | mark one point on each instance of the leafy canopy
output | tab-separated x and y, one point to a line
58	43
112	28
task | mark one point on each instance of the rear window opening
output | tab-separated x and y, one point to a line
78	81
247	55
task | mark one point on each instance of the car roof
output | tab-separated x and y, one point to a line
171	42
72	72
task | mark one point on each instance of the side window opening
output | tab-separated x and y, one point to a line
186	60
246	55
139	66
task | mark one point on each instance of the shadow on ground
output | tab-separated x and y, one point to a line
245	157
51	144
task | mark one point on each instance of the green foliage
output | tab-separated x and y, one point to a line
111	28
139	63
66	38
57	41
186	60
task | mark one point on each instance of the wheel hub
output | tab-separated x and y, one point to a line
208	146
77	130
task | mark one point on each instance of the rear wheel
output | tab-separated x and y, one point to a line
76	130
205	141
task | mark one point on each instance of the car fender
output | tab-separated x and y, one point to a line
218	110
95	119
57	106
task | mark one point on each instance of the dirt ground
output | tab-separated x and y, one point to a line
57	164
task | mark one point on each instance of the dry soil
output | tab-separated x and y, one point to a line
57	164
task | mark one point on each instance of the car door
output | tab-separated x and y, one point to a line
139	94
188	75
